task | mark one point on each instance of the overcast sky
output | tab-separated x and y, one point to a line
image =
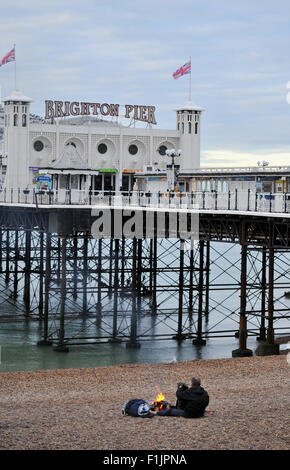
126	51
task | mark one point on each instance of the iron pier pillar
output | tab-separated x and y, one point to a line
132	343
270	348
114	338
154	276
262	335
45	341
242	351
180	336
199	339
61	346
26	296
99	300
16	257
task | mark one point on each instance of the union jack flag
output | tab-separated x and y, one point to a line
10	57
184	69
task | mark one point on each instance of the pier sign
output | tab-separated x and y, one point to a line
59	109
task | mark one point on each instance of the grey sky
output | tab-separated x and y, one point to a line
126	51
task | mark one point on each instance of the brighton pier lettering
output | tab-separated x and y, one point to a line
59	109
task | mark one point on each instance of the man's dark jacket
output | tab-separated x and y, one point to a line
194	401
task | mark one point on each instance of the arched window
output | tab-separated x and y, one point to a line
196	127
15	120
182	127
189	127
23	120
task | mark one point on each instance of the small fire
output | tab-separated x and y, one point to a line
160	402
160	397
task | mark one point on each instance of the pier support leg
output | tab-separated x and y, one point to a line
7	256
270	348
207	284
111	255
15	286
154	276
150	266
242	351
45	341
61	346
123	263
262	336
139	273
99	300
190	294
58	261
180	336
26	296
40	305
85	275
199	341
132	343
116	286
75	267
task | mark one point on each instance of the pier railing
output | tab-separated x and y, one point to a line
237	200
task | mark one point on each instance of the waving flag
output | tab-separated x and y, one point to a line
184	69
10	57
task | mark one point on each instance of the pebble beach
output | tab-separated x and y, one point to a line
81	408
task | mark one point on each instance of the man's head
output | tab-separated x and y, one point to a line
195	382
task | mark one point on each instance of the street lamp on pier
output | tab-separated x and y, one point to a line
173	169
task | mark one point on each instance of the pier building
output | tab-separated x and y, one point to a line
61	175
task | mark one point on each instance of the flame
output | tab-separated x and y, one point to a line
160	397
159	400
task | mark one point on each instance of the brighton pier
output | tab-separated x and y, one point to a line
229	280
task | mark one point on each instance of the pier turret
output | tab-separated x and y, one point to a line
16	139
188	117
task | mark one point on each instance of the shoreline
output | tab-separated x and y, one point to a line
81	408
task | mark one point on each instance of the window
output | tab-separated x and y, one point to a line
102	148
38	145
98	183
182	128
189	127
196	127
74	181
63	181
5	120
23	120
15	120
133	149
162	149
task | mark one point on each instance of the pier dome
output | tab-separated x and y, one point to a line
69	159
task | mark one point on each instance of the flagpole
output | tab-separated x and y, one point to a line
15	67
189	94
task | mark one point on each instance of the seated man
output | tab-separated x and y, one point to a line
191	401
